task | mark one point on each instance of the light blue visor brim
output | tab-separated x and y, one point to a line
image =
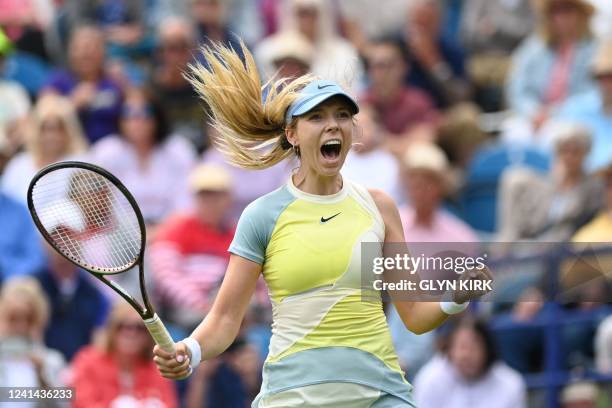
310	102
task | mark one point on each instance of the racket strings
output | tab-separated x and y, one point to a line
88	219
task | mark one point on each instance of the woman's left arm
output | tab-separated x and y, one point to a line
418	316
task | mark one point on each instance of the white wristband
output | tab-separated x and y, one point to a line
194	349
451	308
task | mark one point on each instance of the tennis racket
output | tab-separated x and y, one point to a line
88	216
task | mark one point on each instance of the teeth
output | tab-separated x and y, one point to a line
332	142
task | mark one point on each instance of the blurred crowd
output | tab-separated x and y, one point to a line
486	120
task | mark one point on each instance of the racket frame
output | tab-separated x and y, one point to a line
146	311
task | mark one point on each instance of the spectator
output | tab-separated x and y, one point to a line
369	153
436	62
582	394
594	109
78	307
95	96
245	17
25	361
189	254
469	374
363	20
211	23
25	23
122	22
14	100
603	346
153	165
177	42
334	57
550	207
587	274
553	63
217	20
426	183
460	135
407	113
119	369
491	30
291	54
425	171
53	134
20	250
600	228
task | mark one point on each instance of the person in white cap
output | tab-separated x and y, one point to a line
329	347
189	251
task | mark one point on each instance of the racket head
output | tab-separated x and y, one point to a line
88	216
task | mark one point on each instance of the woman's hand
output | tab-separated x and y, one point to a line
173	366
476	289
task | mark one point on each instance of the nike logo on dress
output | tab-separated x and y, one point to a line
324	86
324	220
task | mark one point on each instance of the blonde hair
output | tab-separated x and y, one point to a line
250	130
55	106
105	339
26	289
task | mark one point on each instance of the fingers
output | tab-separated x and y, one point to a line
474	291
172	365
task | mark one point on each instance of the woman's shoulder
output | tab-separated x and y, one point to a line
508	376
384	202
272	202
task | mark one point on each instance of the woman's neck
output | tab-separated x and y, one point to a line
317	184
570	181
424	216
43	161
143	152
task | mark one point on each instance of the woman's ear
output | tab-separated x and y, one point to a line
291	135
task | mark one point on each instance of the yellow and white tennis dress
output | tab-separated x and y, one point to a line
329	347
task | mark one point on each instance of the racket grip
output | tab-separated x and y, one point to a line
160	333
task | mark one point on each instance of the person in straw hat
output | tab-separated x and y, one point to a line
329	348
189	252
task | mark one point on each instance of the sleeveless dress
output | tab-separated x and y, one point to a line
330	347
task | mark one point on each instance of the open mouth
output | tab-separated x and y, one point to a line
331	149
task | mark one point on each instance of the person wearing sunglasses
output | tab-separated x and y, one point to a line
117	368
25	361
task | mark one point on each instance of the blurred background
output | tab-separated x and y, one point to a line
488	121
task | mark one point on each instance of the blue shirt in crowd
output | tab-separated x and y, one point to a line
101	117
74	316
20	243
588	110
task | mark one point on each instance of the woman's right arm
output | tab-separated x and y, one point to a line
220	327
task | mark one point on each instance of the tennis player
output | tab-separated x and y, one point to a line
328	348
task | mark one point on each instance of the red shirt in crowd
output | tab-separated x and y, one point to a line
188	259
411	107
98	382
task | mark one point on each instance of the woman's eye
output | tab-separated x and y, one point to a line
315	116
344	115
